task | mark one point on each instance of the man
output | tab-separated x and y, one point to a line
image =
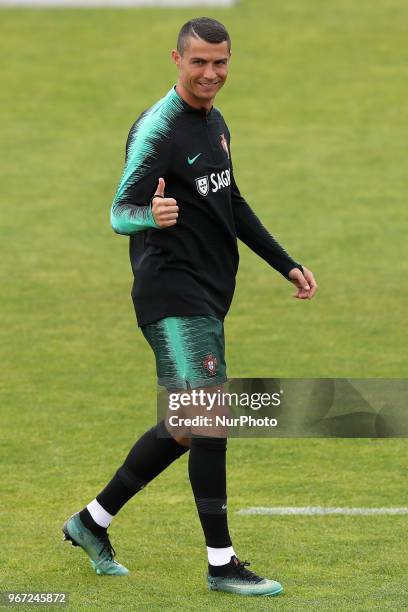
179	203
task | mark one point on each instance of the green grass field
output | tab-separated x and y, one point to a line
316	103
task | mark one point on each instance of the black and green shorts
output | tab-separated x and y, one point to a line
189	351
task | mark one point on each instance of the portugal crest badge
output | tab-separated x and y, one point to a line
210	363
224	144
203	185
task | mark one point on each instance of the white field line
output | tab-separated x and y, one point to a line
318	510
115	3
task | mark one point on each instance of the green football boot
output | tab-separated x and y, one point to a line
235	578
98	548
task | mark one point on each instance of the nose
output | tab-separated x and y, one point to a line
209	72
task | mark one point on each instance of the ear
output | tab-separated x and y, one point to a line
176	57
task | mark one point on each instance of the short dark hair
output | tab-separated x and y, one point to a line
208	29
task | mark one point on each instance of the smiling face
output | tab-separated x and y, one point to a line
203	70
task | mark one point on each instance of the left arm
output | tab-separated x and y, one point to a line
251	231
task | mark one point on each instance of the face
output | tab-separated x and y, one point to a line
203	70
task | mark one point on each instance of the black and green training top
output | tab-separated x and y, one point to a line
189	268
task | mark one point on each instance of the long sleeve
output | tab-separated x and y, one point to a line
251	231
147	159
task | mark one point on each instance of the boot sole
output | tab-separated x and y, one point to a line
67	537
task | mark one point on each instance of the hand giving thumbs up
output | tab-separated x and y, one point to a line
165	210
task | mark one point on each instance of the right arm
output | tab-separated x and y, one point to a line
147	159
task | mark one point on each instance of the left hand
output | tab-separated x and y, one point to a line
305	283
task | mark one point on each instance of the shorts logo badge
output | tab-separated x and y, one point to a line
224	144
210	363
203	185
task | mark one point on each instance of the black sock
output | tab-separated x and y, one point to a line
207	471
224	570
89	523
151	454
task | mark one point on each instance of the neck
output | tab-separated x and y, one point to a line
192	100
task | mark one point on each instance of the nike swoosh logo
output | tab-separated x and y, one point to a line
191	161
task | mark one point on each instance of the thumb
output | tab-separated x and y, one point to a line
305	285
299	279
160	188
